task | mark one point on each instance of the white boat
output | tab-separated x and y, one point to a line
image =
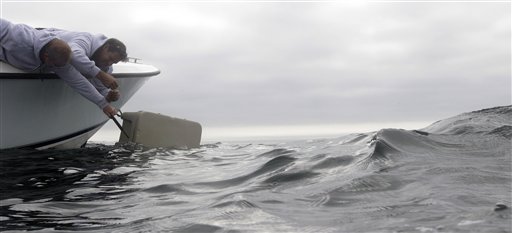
38	110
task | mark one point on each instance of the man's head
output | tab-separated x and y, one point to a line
57	53
111	52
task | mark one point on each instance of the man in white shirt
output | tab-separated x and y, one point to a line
93	56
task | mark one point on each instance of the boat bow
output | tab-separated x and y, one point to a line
38	110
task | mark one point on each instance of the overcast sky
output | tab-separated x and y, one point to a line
267	68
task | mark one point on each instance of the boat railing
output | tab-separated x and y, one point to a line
133	60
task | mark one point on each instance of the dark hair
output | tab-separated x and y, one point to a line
115	45
58	52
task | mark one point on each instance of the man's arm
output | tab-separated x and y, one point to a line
85	88
80	61
107	79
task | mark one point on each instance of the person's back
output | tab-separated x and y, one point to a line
27	48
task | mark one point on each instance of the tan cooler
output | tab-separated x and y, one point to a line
156	130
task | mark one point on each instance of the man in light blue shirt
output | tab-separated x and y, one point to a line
93	56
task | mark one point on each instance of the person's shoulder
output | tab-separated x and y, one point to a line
4	21
100	36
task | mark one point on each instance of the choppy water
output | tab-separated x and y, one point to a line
453	176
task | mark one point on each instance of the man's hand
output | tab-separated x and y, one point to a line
110	111
112	96
107	80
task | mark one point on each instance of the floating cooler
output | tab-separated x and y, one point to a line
156	130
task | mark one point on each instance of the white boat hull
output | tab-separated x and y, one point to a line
40	111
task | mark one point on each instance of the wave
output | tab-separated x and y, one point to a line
435	139
274	165
476	122
379	151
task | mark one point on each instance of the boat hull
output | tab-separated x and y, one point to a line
41	111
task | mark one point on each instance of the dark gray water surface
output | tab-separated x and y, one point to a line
453	176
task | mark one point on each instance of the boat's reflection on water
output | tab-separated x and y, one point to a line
35	183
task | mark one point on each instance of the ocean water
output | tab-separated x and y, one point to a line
452	176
